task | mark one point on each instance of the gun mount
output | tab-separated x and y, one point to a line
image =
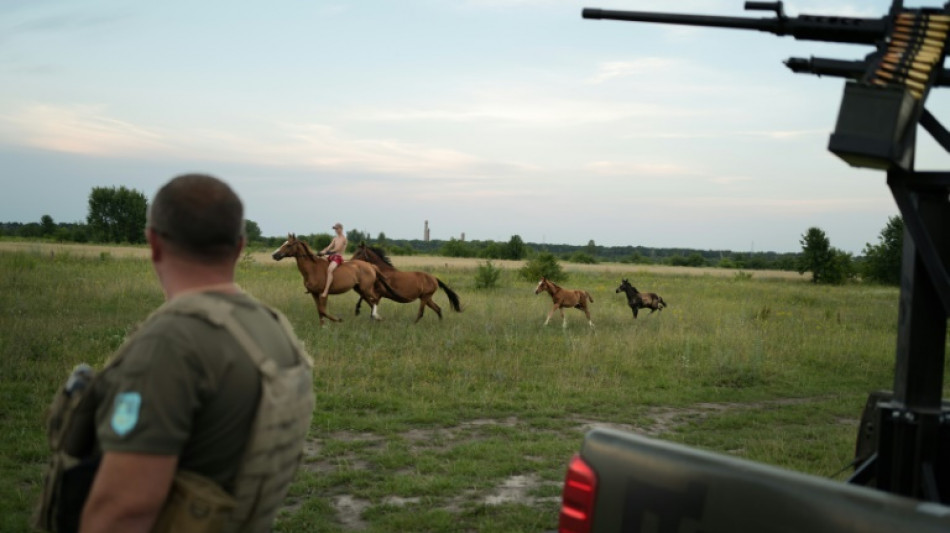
903	443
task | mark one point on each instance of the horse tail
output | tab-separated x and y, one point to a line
453	298
589	297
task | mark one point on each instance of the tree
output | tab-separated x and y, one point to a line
456	248
381	238
516	248
826	264
354	237
591	248
882	261
252	230
47	225
117	215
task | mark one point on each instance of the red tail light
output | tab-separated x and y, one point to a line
577	503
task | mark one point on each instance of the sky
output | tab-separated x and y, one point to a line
490	118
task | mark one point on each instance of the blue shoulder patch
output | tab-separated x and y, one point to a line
125	414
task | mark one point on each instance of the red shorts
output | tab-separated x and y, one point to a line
335	258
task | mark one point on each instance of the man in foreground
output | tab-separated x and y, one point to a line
182	399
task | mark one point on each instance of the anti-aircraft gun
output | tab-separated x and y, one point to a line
903	441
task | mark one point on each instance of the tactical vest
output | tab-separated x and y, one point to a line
274	448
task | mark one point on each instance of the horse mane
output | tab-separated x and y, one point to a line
306	248
382	255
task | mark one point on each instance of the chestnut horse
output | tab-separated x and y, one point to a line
565	298
359	276
639	300
408	285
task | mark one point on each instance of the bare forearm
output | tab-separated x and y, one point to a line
105	517
128	492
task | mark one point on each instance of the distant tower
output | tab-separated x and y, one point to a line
463	236
425	234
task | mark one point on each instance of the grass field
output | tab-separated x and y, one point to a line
467	424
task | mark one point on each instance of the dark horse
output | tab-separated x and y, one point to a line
359	276
578	299
640	300
408	286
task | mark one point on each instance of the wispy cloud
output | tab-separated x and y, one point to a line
641	67
79	129
89	130
767	134
627	168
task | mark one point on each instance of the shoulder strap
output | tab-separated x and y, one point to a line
220	312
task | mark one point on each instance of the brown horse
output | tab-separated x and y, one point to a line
359	276
408	286
640	300
565	298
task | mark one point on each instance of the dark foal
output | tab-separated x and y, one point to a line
641	300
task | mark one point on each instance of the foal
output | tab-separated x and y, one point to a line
565	298
639	300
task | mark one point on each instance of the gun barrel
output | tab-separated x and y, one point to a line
845	69
809	27
742	23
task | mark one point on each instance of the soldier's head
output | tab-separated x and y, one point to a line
199	217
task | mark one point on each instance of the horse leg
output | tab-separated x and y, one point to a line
371	298
587	312
358	302
322	308
563	319
553	309
434	306
316	300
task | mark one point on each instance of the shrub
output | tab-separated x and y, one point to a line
544	264
486	277
583	258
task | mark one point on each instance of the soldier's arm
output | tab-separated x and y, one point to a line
128	492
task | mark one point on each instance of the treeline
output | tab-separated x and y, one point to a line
117	215
516	249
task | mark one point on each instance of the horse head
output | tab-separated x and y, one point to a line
292	248
360	252
543	285
624	286
373	254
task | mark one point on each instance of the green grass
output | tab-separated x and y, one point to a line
425	427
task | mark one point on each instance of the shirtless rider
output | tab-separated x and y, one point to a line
334	252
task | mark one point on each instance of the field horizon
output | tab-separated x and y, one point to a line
407	262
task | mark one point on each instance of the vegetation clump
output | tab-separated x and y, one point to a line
544	264
486	276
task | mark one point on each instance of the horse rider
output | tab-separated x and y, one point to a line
334	252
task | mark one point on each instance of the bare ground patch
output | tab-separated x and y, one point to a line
516	489
666	419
